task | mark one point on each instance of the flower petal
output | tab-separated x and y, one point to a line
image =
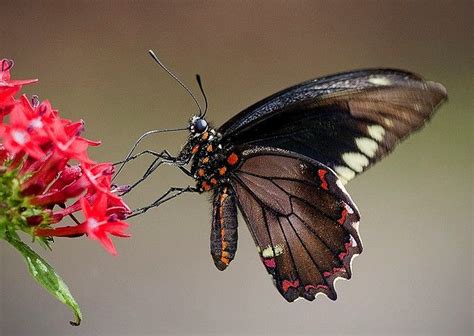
107	243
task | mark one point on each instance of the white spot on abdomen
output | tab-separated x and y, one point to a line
376	131
355	161
367	146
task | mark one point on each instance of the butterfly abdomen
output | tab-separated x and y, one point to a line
224	227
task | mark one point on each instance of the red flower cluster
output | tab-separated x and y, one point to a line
40	146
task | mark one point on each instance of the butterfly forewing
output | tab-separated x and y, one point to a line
347	121
302	220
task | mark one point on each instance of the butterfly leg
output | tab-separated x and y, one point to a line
169	195
163	157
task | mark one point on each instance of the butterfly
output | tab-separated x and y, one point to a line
284	162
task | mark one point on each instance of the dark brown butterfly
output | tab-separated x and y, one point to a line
284	162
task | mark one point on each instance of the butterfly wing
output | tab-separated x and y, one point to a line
347	121
301	218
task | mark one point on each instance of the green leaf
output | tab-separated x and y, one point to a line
46	276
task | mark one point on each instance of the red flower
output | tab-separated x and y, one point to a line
70	145
97	224
19	136
37	145
9	87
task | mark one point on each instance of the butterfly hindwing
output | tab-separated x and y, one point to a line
347	121
302	220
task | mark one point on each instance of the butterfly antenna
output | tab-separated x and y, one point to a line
140	139
198	79
153	55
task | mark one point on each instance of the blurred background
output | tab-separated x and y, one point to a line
415	275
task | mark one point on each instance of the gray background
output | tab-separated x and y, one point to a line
415	275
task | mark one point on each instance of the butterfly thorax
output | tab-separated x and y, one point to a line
211	161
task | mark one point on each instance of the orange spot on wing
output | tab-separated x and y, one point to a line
206	186
213	181
205	160
232	159
205	135
195	149
201	172
209	148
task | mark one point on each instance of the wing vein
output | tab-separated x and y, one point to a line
289	249
306	249
262	206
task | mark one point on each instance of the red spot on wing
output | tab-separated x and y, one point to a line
289	284
322	176
270	263
308	287
334	270
232	159
342	220
342	255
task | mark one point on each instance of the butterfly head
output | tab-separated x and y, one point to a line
198	125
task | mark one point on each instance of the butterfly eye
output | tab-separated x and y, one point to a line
200	125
